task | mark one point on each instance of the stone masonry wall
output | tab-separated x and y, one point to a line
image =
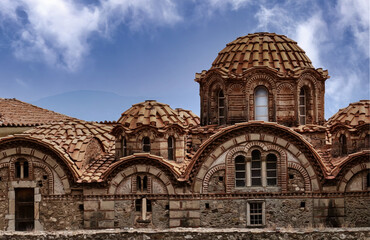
289	212
65	214
357	210
223	213
3	212
195	234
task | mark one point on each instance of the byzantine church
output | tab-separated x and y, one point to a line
261	154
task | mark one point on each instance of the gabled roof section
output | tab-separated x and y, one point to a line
15	113
158	115
355	114
73	137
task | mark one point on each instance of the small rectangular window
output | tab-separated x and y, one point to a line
255	213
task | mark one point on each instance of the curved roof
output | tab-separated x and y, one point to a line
158	115
14	112
262	49
73	137
355	114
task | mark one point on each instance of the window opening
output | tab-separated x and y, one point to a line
146	144
240	171
261	103
123	147
138	183
221	108
271	169
21	169
302	107
171	148
256	168
342	144
145	183
255	213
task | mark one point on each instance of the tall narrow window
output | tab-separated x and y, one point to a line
261	104
240	171
302	107
342	144
17	170
271	170
256	168
221	108
146	144
145	183
123	147
367	141
171	148
138	183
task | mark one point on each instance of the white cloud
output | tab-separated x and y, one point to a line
222	4
355	16
58	31
310	35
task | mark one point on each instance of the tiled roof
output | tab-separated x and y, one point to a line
158	115
262	49
73	137
355	114
14	112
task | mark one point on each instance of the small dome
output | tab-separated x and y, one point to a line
262	49
159	115
355	114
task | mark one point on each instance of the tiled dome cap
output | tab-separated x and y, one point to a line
159	115
262	49
355	114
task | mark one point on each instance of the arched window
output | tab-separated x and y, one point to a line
221	107
342	144
21	169
261	104
145	183
256	168
240	171
271	169
302	107
146	144
123	147
138	183
171	148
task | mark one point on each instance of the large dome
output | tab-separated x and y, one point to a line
262	49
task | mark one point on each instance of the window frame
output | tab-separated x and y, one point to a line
171	150
261	117
221	107
146	146
262	214
302	107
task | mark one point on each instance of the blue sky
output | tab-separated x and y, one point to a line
94	59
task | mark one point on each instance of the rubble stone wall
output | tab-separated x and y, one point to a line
203	234
357	211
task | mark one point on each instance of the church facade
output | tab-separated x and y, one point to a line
260	155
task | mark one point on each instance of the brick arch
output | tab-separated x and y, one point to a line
254	144
303	172
257	79
228	137
134	169
285	85
209	174
350	173
231	88
49	172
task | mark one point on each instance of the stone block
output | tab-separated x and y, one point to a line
194	214
217	152
194	222
174	222
107	205
269	138
38	198
141	168
174	205
91	205
254	137
106	224
281	142
240	139
293	149
192	204
228	144
177	214
109	215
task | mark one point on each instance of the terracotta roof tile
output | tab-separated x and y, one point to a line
14	112
269	49
355	114
159	115
66	135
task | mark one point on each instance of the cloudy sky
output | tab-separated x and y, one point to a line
92	59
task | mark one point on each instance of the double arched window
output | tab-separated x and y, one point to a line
259	171
171	148
21	169
221	107
261	103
